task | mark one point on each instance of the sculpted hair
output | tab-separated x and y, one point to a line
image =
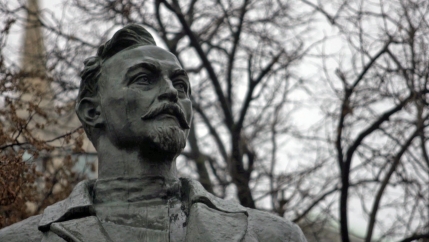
128	37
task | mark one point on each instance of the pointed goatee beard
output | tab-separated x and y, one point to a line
169	139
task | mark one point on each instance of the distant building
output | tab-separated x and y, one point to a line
36	88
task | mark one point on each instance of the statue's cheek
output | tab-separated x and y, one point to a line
187	106
113	112
137	104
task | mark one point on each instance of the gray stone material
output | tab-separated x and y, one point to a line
134	104
210	219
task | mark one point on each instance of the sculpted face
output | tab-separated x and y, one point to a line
144	100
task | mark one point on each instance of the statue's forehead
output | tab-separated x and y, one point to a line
118	67
152	54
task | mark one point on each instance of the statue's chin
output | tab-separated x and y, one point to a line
170	139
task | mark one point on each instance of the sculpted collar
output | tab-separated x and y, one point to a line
80	204
135	189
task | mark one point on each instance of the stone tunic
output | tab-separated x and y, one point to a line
208	219
143	209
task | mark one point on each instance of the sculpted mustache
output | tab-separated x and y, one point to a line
168	108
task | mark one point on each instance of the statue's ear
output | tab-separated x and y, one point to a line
89	112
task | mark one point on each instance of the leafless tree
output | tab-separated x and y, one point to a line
377	113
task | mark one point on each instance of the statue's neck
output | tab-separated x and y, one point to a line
119	163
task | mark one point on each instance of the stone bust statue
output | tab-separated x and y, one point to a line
134	105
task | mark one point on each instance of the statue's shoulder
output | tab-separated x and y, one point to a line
270	227
26	230
79	202
261	226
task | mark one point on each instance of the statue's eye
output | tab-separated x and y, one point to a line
142	79
180	86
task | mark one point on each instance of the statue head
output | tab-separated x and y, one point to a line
135	95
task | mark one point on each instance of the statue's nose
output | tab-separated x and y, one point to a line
169	92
